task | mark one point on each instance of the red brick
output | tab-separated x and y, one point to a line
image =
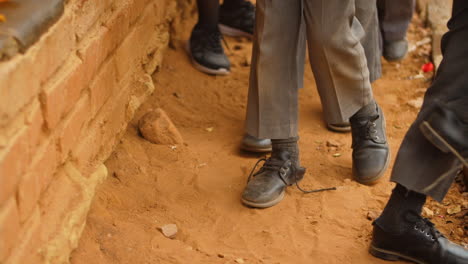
27	250
95	49
103	85
62	92
14	161
87	14
73	125
27	195
9	227
16	90
45	163
35	122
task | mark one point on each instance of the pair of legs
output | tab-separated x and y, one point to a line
233	17
336	32
394	19
430	156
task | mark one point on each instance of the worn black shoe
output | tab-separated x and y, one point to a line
371	154
445	130
206	51
266	187
238	22
419	242
395	50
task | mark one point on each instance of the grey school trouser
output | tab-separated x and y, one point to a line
420	166
336	31
394	18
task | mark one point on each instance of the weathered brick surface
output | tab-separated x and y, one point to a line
64	104
61	93
9	227
27	250
38	64
27	196
73	125
13	162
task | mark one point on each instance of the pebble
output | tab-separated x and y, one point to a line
240	261
428	212
156	127
372	215
169	230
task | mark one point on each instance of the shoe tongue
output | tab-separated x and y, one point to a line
281	155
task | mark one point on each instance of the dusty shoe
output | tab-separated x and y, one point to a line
266	187
253	144
206	51
239	21
419	242
445	130
395	50
371	154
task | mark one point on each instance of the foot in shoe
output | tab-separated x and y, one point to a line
266	187
395	50
206	51
371	154
238	21
419	241
254	144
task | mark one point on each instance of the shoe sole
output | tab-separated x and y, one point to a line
439	142
255	149
390	255
233	32
198	66
339	128
264	205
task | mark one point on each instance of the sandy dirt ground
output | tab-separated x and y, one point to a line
197	185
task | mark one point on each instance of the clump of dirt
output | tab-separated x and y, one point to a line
197	185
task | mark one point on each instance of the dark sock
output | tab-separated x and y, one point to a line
208	13
289	145
401	201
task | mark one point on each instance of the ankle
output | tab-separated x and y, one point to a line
290	145
400	203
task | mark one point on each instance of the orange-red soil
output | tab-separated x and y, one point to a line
197	185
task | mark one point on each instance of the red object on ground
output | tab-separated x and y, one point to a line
428	67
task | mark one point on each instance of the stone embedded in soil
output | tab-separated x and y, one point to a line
372	215
156	127
240	261
428	212
169	231
454	209
334	143
416	103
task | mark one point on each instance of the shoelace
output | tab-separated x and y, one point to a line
425	226
371	131
276	165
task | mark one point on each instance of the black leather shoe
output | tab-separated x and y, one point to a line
445	130
253	144
206	51
266	187
395	50
237	22
419	242
371	154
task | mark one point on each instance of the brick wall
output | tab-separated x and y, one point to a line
63	106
